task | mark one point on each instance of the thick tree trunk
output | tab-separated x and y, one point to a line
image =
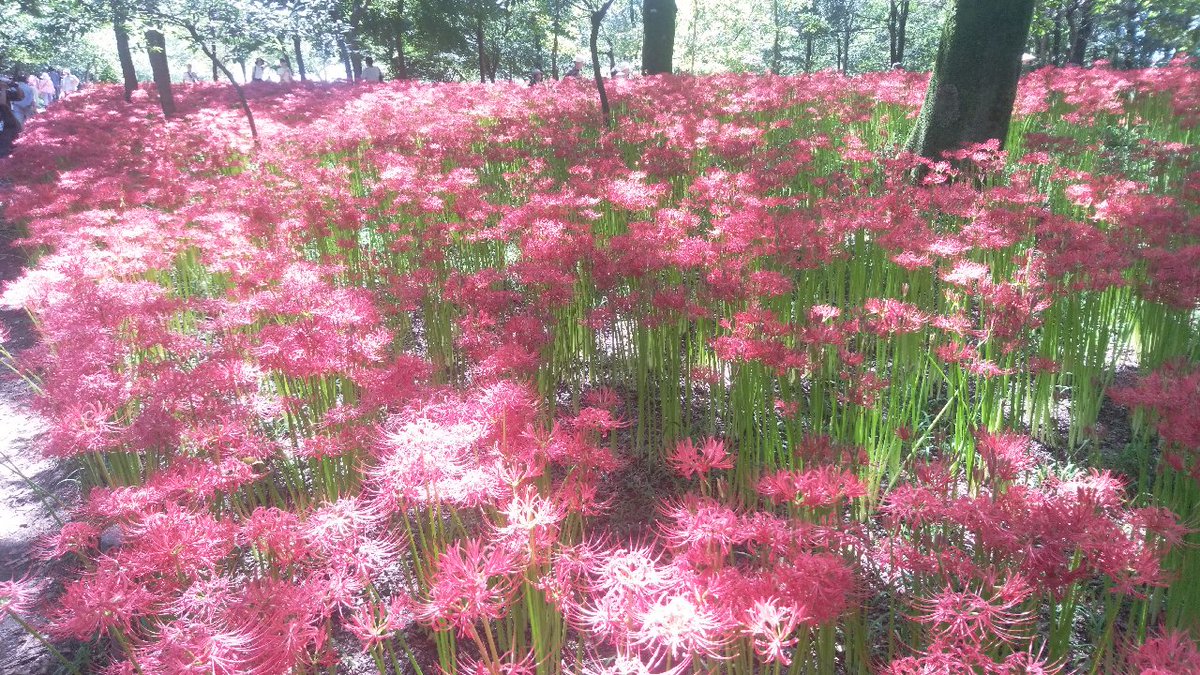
597	19
156	49
216	71
658	38
974	83
124	55
296	47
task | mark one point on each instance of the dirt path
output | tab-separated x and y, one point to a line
29	484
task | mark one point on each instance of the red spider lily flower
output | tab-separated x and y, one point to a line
687	460
374	624
508	664
78	537
193	647
1005	455
110	598
679	626
530	524
17	596
473	582
1171	653
967	618
771	626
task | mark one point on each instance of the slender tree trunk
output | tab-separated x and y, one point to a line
902	31
775	24
658	37
345	54
893	26
808	52
401	27
297	48
156	49
480	49
597	19
1056	44
555	22
974	83
124	55
241	93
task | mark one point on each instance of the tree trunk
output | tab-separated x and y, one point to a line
344	52
1086	25
1056	44
216	71
481	49
808	52
902	32
597	19
296	47
353	43
555	22
156	49
124	55
241	93
775	24
401	59
658	37
974	83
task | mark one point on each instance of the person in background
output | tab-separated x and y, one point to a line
56	78
260	70
576	69
70	83
46	89
284	70
190	77
535	77
371	73
27	106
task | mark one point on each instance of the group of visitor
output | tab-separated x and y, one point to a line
282	71
622	71
22	97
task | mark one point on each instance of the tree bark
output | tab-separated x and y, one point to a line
345	54
401	59
897	30
658	37
156	49
481	49
1082	33
597	19
974	83
124	55
296	47
216	72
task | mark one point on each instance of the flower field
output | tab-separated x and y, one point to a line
447	378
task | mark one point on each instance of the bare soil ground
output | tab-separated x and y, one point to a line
32	488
